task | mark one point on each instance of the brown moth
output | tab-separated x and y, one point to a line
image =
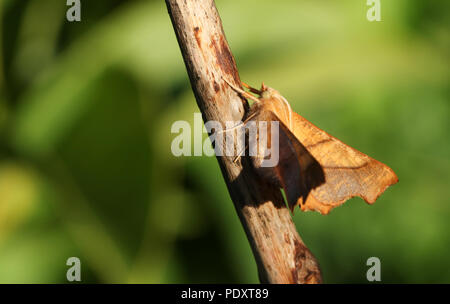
316	170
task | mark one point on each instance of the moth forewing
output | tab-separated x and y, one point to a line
316	170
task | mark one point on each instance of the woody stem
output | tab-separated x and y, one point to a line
280	253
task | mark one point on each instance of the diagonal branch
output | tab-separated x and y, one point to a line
280	253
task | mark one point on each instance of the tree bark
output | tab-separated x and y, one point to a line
280	253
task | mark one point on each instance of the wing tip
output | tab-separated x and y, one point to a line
371	200
312	204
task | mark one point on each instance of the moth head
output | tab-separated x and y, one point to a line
267	92
264	92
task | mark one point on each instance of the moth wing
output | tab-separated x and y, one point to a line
297	171
348	172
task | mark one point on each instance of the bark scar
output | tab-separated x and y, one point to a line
306	267
224	58
197	32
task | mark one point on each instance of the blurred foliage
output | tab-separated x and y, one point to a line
85	162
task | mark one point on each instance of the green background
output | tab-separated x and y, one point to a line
85	116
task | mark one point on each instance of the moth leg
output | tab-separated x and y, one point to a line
230	129
253	90
237	126
242	151
242	92
240	154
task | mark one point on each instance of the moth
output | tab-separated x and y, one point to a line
316	170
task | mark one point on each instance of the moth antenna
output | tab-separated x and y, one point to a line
289	111
242	92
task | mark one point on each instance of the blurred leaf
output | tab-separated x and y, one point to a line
18	195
